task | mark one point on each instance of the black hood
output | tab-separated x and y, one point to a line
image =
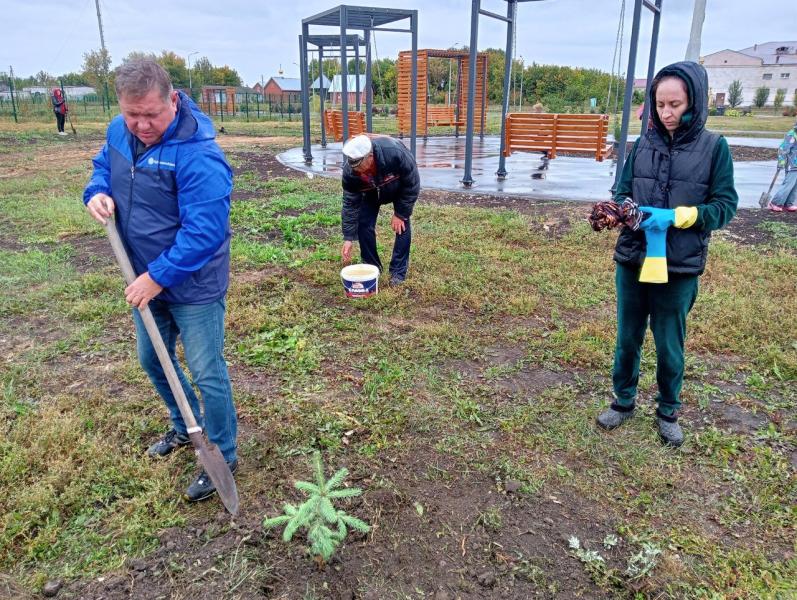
694	119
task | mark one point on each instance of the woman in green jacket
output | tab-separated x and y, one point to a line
681	176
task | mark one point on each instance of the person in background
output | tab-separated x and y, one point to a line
378	170
60	108
681	176
786	196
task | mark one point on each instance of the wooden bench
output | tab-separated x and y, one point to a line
552	133
442	115
333	120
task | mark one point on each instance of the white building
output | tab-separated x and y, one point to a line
73	92
772	65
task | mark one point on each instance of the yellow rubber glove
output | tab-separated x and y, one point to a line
685	216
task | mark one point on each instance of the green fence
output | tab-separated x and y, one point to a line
242	107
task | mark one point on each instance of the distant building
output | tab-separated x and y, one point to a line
772	65
73	92
640	84
257	88
336	89
317	84
284	89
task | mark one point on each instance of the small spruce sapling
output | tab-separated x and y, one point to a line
326	526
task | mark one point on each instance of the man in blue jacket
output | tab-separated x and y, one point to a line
163	175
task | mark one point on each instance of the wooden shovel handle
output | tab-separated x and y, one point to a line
152	329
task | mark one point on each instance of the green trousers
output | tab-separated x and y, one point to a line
666	305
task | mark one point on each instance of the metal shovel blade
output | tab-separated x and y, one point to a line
217	469
764	199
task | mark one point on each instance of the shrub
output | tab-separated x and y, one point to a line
326	526
780	96
761	96
735	93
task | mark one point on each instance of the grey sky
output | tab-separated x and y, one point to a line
257	37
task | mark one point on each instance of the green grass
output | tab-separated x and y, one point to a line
495	355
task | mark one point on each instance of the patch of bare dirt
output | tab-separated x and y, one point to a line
435	531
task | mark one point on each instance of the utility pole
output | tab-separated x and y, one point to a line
104	54
698	16
11	88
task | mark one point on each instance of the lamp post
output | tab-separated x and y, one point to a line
190	83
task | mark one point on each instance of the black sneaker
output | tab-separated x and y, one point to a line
202	487
168	443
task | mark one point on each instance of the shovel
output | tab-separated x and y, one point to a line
68	118
208	454
763	201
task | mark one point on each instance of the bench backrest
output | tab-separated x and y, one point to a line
333	120
554	132
442	114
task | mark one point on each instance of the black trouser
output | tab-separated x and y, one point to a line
366	233
59	119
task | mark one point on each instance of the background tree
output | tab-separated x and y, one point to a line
761	96
735	93
780	96
175	67
97	68
45	79
226	76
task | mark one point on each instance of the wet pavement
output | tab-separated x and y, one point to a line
440	162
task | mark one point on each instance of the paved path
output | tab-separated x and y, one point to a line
440	161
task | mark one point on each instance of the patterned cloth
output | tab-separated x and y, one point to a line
787	152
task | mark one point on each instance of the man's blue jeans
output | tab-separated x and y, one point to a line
366	233
201	329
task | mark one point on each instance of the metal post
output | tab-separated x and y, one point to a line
483	112
11	89
654	42
357	73
459	92
321	94
344	72
308	155
511	7
629	89
369	87
467	178
414	82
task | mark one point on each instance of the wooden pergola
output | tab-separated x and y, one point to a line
451	115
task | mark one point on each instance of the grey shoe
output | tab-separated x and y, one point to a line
614	416
670	432
168	443
395	281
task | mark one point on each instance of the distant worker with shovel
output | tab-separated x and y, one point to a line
168	184
60	108
378	170
786	196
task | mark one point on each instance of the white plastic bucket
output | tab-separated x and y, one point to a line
360	281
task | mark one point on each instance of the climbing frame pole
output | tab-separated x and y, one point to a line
629	81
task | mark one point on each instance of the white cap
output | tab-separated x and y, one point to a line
357	148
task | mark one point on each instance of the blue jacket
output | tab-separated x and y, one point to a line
172	206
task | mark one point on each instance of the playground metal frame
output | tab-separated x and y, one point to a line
511	19
359	18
